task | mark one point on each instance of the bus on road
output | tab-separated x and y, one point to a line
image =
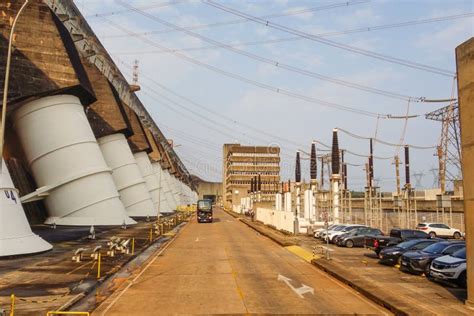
204	211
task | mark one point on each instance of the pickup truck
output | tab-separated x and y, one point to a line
377	243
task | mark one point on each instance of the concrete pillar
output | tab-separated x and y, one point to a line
67	163
16	237
335	183
278	202
465	77
132	187
308	204
288	202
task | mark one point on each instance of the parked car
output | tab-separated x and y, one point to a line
439	230
355	238
419	261
397	235
338	227
450	267
392	255
317	232
333	234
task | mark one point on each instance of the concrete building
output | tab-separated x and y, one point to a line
242	163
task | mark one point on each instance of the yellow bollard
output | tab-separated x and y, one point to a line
133	246
12	305
98	265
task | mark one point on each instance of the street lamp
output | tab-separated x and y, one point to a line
7	77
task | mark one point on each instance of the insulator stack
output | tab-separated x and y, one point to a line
335	162
298	168
407	166
314	164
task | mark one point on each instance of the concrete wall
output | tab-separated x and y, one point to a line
210	188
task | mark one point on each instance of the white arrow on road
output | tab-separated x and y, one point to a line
299	291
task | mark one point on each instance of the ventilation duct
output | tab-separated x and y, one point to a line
127	176
67	164
16	237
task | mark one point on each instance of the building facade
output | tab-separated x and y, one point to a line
242	163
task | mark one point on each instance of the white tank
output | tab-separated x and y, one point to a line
167	190
16	237
66	161
127	176
146	169
172	190
163	206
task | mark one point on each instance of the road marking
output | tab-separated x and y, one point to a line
303	289
141	272
302	253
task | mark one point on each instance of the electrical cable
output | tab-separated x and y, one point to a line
289	12
152	6
349	48
274	63
257	83
291	38
382	141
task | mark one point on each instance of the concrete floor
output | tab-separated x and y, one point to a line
227	268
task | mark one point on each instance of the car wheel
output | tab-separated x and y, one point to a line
349	243
462	279
399	261
457	235
432	234
427	270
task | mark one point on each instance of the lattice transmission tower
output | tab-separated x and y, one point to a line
449	146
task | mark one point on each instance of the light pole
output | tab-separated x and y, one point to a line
5	84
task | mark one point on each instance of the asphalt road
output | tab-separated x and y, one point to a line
228	268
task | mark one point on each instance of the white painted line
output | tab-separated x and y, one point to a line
303	289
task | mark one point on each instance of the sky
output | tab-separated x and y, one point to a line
272	93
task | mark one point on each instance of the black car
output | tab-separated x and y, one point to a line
397	235
356	237
419	261
392	255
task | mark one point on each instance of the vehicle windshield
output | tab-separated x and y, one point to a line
204	205
350	228
461	254
436	248
339	228
408	244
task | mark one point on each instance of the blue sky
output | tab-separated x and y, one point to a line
288	122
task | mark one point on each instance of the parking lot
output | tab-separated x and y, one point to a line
409	293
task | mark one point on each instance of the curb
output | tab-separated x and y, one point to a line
279	241
368	294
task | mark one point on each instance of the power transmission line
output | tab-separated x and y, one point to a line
289	12
257	83
332	43
153	6
275	63
291	38
382	141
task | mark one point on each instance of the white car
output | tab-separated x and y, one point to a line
322	234
439	230
317	232
451	267
332	234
